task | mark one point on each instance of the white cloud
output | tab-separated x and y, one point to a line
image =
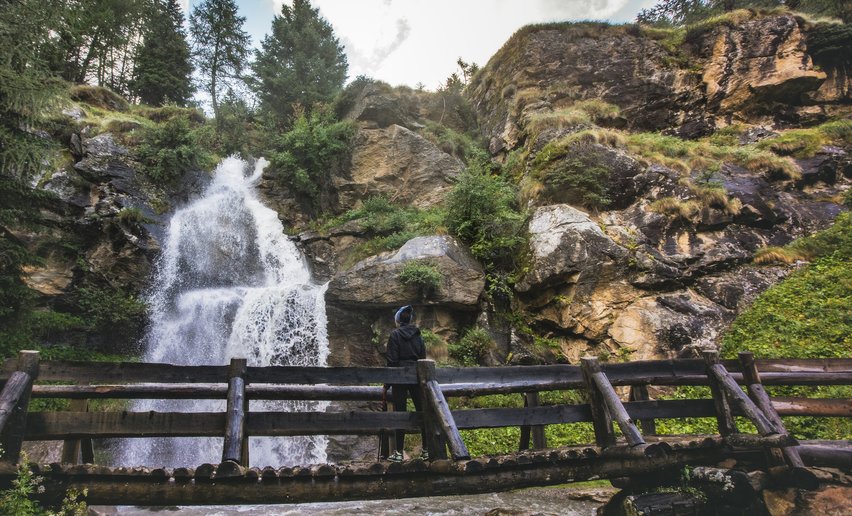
411	41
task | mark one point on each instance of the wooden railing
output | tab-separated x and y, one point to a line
239	383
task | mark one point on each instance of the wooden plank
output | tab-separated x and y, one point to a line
510	374
60	425
14	389
331	375
639	392
819	407
616	410
503	417
15	426
724	415
602	420
72	448
435	438
510	387
130	372
539	441
234	444
178	391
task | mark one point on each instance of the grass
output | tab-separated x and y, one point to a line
579	114
805	143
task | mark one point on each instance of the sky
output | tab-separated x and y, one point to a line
411	42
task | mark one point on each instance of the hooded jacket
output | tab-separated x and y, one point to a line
405	346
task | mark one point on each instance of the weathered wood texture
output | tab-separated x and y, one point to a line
433	435
640	393
439	407
16	400
616	410
724	415
601	418
235	445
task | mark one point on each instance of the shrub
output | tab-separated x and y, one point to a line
481	212
171	149
425	277
581	176
471	348
18	501
169	111
462	146
305	157
675	207
436	348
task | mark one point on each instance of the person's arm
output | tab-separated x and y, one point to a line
421	347
392	353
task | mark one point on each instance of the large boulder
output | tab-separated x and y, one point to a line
399	164
375	282
566	246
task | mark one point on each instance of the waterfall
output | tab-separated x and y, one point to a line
229	284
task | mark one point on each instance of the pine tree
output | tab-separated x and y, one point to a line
27	92
220	45
300	62
163	69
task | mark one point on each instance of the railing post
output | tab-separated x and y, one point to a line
14	402
75	451
536	431
601	420
435	444
235	446
724	416
639	392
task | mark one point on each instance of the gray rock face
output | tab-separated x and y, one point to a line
374	282
565	243
399	164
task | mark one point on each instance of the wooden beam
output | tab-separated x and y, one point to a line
536	432
435	440
331	375
178	391
602	420
617	411
639	392
14	426
438	405
234	445
739	398
724	416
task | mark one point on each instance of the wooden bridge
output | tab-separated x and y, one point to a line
630	452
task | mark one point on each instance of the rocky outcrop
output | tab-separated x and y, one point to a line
375	282
748	67
398	164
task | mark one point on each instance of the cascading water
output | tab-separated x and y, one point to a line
230	284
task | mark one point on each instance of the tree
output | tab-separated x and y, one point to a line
163	68
220	45
27	92
300	62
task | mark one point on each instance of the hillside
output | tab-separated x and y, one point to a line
594	189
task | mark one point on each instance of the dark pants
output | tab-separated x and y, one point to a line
399	397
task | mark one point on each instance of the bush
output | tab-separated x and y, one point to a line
99	96
305	158
18	500
481	212
425	277
472	347
462	146
171	149
581	176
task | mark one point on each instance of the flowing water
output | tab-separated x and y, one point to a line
229	284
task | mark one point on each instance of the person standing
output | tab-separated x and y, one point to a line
405	348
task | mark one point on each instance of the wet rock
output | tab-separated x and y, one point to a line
374	282
736	290
828	500
398	164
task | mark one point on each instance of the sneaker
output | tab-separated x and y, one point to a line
396	457
424	455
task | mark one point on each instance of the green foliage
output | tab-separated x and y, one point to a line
163	69
220	45
306	156
99	96
482	213
299	62
463	146
171	149
471	347
425	277
110	310
808	315
584	176
345	100
18	500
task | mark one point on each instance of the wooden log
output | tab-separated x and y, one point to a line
826	456
760	441
823	407
616	410
14	389
653	450
743	403
640	393
178	391
235	443
532	416
435	443
71	448
562	373
15	425
331	375
539	440
438	405
724	416
760	398
602	420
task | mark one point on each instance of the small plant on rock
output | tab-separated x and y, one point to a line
427	278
